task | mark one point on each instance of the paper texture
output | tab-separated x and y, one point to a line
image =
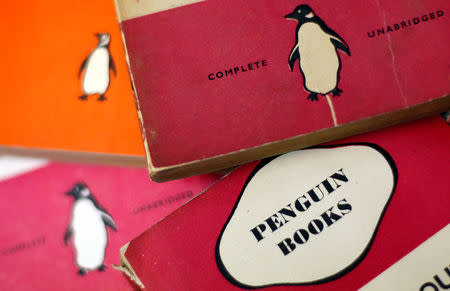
129	9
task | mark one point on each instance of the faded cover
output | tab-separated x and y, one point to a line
393	198
35	213
213	77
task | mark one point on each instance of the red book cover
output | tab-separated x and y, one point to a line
220	83
331	217
63	224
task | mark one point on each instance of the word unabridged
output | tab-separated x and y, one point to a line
19	247
405	23
163	202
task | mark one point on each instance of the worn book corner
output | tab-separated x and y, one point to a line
126	268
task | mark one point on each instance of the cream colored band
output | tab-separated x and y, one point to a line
129	9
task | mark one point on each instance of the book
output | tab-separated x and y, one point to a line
330	217
221	83
42	114
38	206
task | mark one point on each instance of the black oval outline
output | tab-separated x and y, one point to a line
339	274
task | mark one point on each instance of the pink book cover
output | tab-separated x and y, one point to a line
220	83
63	224
331	217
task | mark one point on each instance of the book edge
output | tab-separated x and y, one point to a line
126	268
228	160
150	166
75	156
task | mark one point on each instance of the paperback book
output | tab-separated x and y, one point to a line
221	83
362	212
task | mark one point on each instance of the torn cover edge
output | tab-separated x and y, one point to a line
126	268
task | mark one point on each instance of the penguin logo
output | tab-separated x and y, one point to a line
88	227
316	48
96	68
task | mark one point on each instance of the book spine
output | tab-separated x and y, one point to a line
120	9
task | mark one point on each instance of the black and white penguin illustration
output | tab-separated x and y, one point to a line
316	48
88	227
96	68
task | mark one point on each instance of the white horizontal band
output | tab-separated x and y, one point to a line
129	9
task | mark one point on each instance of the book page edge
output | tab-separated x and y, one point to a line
126	268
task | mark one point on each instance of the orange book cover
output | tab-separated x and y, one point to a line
46	44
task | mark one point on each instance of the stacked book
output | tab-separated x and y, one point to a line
299	144
219	84
292	92
69	96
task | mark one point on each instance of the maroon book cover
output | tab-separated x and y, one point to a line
219	83
331	217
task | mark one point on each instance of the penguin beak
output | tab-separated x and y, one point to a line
290	16
70	193
97	35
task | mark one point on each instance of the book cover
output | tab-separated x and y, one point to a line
331	217
66	91
220	83
63	224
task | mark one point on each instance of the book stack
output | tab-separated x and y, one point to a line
290	145
292	92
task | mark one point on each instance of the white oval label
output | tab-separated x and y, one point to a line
306	217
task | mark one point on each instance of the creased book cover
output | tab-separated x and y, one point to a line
330	217
220	83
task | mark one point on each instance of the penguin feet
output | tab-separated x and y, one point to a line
102	98
83	97
336	92
101	268
313	97
82	272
